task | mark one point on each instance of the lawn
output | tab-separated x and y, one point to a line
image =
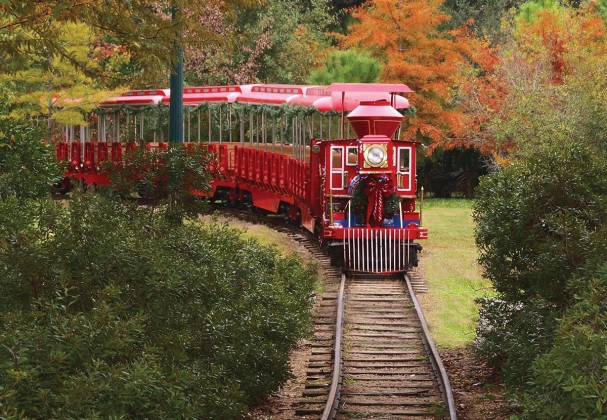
449	267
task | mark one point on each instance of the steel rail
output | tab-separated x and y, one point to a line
330	410
437	363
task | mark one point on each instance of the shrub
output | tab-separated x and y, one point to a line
540	222
171	178
541	219
510	335
570	381
28	167
117	312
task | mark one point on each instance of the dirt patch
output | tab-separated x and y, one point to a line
477	389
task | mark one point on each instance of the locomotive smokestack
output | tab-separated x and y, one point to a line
375	117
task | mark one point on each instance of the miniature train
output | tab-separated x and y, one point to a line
276	152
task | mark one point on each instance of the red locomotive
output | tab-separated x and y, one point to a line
357	193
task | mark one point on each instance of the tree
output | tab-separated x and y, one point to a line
406	36
541	223
349	66
262	44
549	71
144	29
486	15
52	87
541	219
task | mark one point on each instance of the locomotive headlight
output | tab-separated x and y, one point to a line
375	156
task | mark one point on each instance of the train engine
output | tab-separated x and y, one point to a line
366	193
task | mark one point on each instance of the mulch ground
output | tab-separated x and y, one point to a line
477	389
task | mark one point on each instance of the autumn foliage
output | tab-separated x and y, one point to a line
407	36
561	37
546	68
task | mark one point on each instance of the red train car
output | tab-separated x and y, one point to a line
286	149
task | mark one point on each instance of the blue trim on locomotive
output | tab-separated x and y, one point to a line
394	222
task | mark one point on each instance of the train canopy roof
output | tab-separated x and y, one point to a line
197	95
138	97
370	87
336	97
272	94
350	95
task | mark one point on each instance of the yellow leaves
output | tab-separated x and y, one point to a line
69	117
69	106
58	85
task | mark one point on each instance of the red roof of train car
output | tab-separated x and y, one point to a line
370	87
323	98
196	95
271	94
329	98
138	97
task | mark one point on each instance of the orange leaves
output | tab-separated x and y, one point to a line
406	35
561	37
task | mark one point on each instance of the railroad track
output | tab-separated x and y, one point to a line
382	363
371	353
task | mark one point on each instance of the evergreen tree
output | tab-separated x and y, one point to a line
347	66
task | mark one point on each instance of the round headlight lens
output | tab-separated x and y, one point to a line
376	155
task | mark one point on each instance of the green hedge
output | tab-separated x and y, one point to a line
28	167
541	219
570	381
542	233
109	309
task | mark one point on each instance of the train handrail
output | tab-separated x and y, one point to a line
331	407
444	384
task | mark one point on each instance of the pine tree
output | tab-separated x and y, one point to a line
349	66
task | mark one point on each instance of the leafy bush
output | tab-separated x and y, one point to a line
541	219
110	310
510	335
540	222
570	381
172	178
28	167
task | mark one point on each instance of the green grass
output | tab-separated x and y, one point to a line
263	234
449	266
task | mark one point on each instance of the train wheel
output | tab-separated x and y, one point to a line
333	254
317	231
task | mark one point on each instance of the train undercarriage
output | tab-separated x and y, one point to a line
356	249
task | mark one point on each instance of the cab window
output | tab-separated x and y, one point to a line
404	160
352	153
